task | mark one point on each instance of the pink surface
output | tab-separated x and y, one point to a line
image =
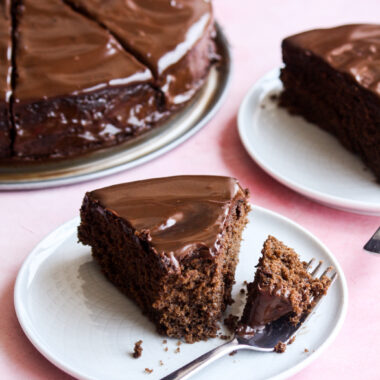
255	29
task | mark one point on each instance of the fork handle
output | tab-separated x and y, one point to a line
190	369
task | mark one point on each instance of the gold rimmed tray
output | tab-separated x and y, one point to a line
131	153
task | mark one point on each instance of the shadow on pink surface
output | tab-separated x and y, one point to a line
26	361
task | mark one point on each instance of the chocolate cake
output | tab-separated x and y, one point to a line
5	77
171	245
92	74
332	78
282	287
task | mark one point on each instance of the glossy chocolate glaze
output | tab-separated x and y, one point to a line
351	49
86	93
69	126
5	76
177	215
265	305
161	33
60	52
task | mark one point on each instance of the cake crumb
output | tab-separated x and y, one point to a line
224	337
231	322
179	343
242	291
292	340
166	349
245	282
137	351
177	350
164	341
148	370
233	353
280	347
305	350
161	363
274	97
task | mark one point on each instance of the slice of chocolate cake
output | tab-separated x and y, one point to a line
5	77
173	38
332	78
76	88
282	287
170	244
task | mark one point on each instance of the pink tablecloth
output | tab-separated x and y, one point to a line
255	29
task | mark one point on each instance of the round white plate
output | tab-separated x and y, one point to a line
83	325
302	156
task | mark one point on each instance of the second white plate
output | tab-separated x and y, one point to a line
86	327
302	156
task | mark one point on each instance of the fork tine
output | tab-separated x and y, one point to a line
333	277
328	269
310	263
315	271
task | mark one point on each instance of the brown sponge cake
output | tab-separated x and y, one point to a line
282	287
332	78
170	244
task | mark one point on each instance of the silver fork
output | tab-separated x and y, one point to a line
264	340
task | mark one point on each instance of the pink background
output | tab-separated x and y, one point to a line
255	29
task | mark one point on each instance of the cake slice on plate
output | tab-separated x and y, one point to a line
170	244
332	78
282	288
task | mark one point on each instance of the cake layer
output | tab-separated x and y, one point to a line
173	38
5	77
86	92
331	77
170	244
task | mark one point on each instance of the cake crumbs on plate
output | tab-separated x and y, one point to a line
242	291
231	322
280	347
179	343
137	350
292	340
148	370
305	350
164	341
166	349
232	353
177	350
161	363
224	337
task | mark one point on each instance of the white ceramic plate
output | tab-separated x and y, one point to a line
83	325
302	156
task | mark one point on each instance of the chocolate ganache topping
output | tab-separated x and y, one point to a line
60	52
351	49
176	214
5	50
5	75
267	305
161	33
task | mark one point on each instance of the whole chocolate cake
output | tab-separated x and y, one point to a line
83	75
170	244
332	78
